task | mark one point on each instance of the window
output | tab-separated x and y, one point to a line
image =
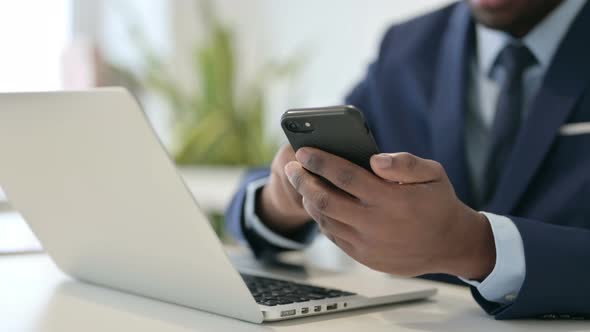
33	34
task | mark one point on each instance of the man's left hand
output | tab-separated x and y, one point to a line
405	219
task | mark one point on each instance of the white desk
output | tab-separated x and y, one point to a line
35	296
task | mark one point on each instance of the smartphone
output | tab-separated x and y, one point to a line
340	130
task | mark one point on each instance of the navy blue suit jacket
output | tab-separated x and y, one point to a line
414	98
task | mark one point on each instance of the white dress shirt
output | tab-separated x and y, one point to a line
507	277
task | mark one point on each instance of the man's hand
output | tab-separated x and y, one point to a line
404	220
280	205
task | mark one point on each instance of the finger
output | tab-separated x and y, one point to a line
406	168
346	246
293	196
323	197
331	225
284	156
283	190
342	173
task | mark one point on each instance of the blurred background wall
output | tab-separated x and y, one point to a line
338	38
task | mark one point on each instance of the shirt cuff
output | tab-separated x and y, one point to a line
253	222
507	277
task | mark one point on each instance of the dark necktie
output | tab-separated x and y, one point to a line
515	59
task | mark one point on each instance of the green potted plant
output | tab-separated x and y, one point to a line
212	125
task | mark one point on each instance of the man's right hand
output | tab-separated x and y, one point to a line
280	206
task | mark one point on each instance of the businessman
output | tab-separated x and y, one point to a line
484	110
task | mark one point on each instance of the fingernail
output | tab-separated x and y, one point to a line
290	169
382	160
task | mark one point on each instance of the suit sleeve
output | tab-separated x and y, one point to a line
557	274
236	223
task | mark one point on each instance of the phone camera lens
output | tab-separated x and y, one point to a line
293	126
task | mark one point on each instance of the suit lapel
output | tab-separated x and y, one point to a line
564	83
449	104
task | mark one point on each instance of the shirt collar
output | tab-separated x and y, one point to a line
543	40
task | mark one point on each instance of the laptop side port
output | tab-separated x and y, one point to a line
304	310
332	306
287	313
317	308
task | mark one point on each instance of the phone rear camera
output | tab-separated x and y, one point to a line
293	126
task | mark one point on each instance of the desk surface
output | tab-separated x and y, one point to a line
36	296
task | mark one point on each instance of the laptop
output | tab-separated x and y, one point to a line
88	174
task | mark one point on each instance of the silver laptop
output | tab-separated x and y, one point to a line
91	178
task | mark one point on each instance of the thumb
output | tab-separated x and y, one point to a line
406	168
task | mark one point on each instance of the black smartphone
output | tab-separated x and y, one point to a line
340	130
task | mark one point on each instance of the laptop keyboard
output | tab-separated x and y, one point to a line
272	292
